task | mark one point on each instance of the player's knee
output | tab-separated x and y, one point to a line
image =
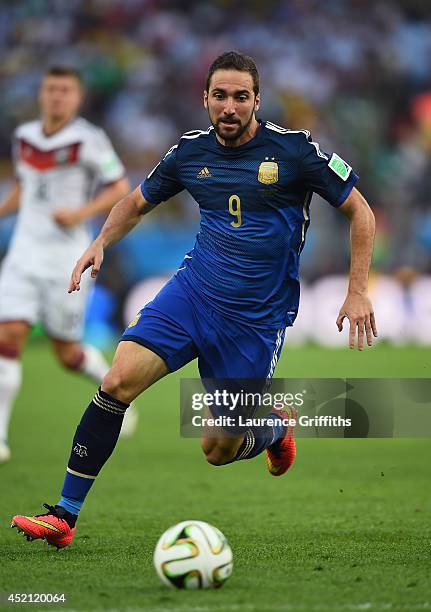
68	363
10	349
12	338
70	359
114	384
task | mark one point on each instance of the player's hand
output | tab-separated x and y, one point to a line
67	217
359	310
93	256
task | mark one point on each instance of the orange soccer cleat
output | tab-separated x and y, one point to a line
51	526
281	455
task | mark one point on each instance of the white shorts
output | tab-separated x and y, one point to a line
24	297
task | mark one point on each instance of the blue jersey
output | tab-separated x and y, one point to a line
254	201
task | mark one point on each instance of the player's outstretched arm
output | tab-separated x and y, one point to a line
11	202
123	217
357	306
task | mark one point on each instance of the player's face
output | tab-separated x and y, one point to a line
60	97
231	104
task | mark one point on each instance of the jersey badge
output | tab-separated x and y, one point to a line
340	167
61	156
268	172
204	173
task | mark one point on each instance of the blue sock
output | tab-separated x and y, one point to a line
94	441
257	439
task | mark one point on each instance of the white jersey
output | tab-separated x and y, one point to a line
57	171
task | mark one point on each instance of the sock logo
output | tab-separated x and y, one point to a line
80	450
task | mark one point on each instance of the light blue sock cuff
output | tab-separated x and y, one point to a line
71	505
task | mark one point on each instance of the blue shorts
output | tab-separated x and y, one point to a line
179	326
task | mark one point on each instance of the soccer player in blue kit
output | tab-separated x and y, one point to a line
235	293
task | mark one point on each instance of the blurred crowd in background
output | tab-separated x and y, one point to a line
356	73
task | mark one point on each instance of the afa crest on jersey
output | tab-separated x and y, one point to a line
268	172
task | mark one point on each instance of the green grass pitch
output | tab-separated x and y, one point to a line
349	528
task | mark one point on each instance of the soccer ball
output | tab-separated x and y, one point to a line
193	555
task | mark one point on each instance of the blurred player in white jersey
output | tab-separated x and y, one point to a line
60	159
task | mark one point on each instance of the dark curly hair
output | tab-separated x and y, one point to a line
232	60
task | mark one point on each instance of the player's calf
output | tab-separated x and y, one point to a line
83	359
220	451
271	435
69	354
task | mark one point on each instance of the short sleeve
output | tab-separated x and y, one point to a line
163	182
326	174
103	158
